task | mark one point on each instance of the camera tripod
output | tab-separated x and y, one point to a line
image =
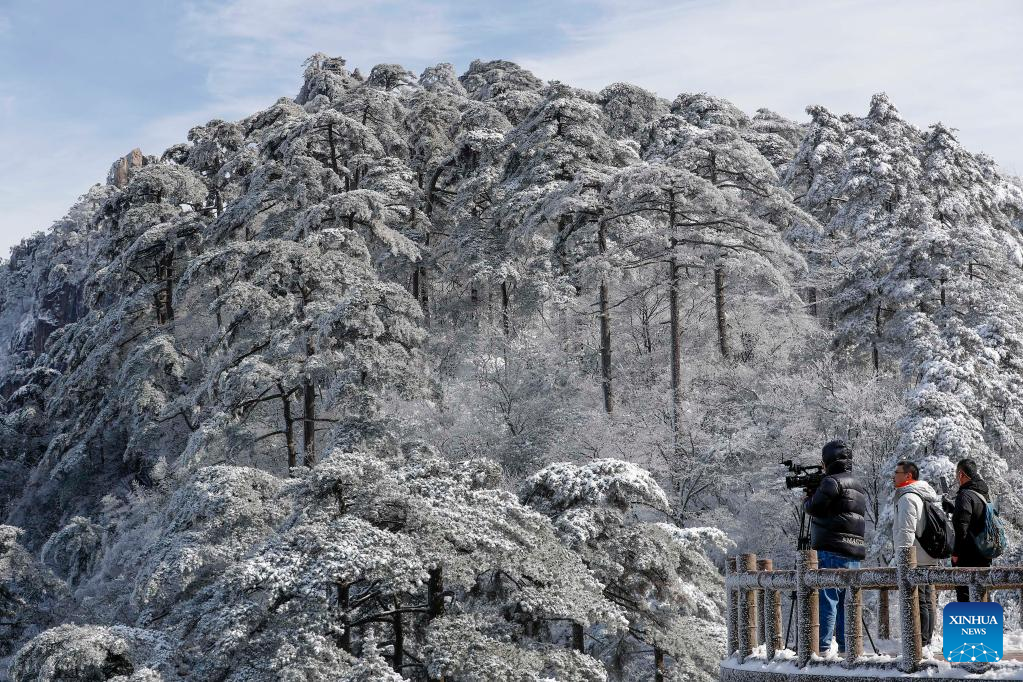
803	542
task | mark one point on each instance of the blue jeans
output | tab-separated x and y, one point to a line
832	602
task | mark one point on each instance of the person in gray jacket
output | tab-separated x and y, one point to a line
910	520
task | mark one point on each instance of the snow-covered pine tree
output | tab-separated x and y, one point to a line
656	572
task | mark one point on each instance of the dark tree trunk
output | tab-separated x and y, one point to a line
578	642
424	292
605	325
422	278
811	296
333	151
674	282
309	422
719	306
289	429
344	604
658	664
220	320
646	314
308	396
168	285
399	638
505	312
877	338
435	590
165	296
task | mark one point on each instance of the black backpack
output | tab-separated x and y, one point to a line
938	537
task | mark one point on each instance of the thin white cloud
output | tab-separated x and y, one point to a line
258	46
42	181
253	50
938	59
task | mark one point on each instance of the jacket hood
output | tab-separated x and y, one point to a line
921	488
838	466
980	485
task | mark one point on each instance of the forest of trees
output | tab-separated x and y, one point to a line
479	377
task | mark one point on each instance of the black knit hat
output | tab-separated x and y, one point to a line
836	450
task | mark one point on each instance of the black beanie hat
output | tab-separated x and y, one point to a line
835	450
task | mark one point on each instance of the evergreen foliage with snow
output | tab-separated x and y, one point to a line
478	377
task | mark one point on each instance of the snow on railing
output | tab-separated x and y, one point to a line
753	590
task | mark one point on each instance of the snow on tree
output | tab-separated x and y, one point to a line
380	109
656	572
441	78
703	110
300	319
504	270
432	122
813	174
629	110
681	210
30	595
43	283
325	76
371	666
391	77
93	652
470	647
514	91
71	552
369	544
209	523
120	354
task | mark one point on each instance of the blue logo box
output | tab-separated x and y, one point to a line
973	632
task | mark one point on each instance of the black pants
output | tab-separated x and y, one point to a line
926	614
963	592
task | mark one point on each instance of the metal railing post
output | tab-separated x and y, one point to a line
807	608
909	610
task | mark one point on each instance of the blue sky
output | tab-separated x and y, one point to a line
82	83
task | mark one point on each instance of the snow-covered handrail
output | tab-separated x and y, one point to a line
754	589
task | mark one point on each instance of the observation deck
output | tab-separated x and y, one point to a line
756	651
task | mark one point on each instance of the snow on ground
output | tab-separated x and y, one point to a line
884	663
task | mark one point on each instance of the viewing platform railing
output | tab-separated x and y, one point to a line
754	595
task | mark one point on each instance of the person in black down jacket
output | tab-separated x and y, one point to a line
968	515
836	509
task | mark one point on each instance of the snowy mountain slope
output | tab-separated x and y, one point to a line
478	377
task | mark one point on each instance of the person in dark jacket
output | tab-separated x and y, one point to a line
837	526
968	514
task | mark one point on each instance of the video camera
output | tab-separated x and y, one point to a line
807	476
